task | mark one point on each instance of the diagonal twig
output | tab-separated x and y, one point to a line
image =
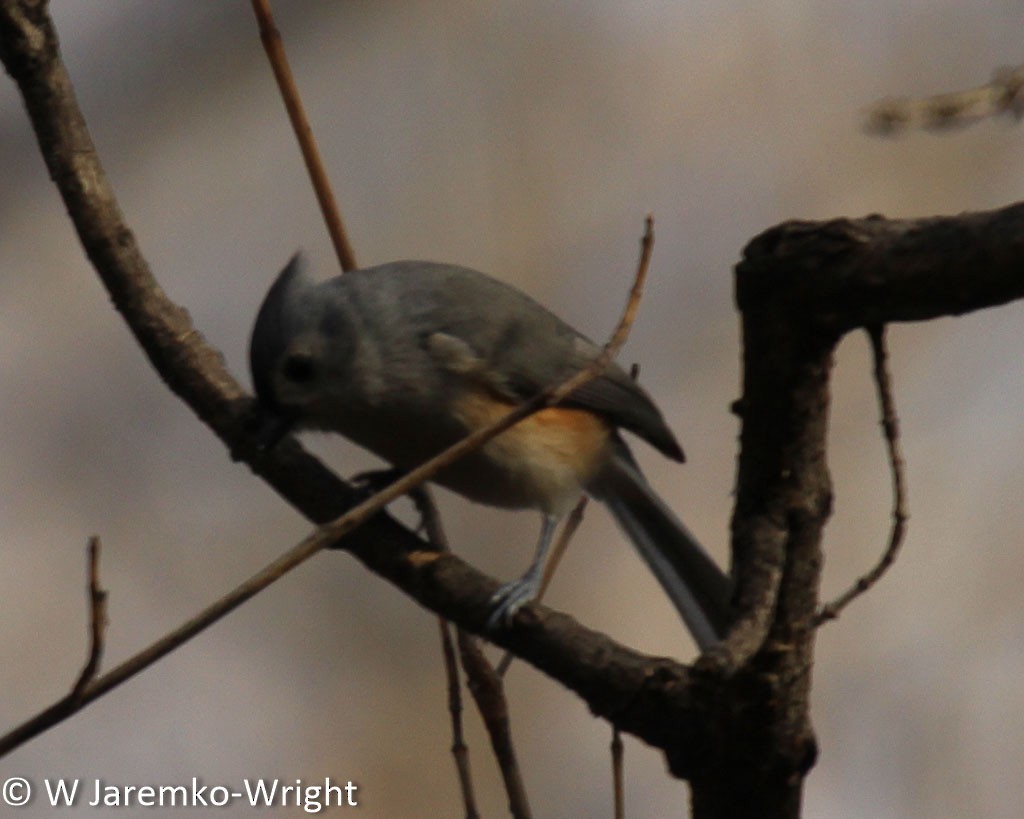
459	749
489	694
274	46
423	498
484	684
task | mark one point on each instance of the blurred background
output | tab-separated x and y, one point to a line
527	140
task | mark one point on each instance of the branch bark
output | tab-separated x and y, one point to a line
800	287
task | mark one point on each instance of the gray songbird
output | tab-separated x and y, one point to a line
406	358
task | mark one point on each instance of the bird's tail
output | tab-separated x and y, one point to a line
697	587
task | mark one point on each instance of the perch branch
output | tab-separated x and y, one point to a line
29	49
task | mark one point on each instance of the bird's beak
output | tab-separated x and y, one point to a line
272	429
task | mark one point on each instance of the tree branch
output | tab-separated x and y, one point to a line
274	47
800	287
891	431
97	620
737	725
616	682
847	274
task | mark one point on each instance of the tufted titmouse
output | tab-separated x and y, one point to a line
407	358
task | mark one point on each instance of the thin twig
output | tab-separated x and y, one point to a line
890	427
618	778
274	47
489	694
460	751
636	292
97	620
423	498
572	523
338	528
483	682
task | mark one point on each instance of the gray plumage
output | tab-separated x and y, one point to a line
405	358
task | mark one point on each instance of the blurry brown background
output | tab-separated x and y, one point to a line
527	140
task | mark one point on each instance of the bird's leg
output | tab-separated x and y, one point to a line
513	596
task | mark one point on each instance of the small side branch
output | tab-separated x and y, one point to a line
489	694
483	683
430	516
97	621
460	751
890	428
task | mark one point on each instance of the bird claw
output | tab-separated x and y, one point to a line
509	599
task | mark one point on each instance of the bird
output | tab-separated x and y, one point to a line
408	357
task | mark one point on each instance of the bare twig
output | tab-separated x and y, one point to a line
636	292
274	47
97	620
890	427
489	694
618	757
423	498
483	683
460	750
1004	94
572	523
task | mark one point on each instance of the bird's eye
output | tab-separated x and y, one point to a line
299	368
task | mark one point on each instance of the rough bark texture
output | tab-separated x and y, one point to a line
799	288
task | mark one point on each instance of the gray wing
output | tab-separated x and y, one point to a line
478	324
612	394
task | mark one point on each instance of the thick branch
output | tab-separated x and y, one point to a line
846	274
800	287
